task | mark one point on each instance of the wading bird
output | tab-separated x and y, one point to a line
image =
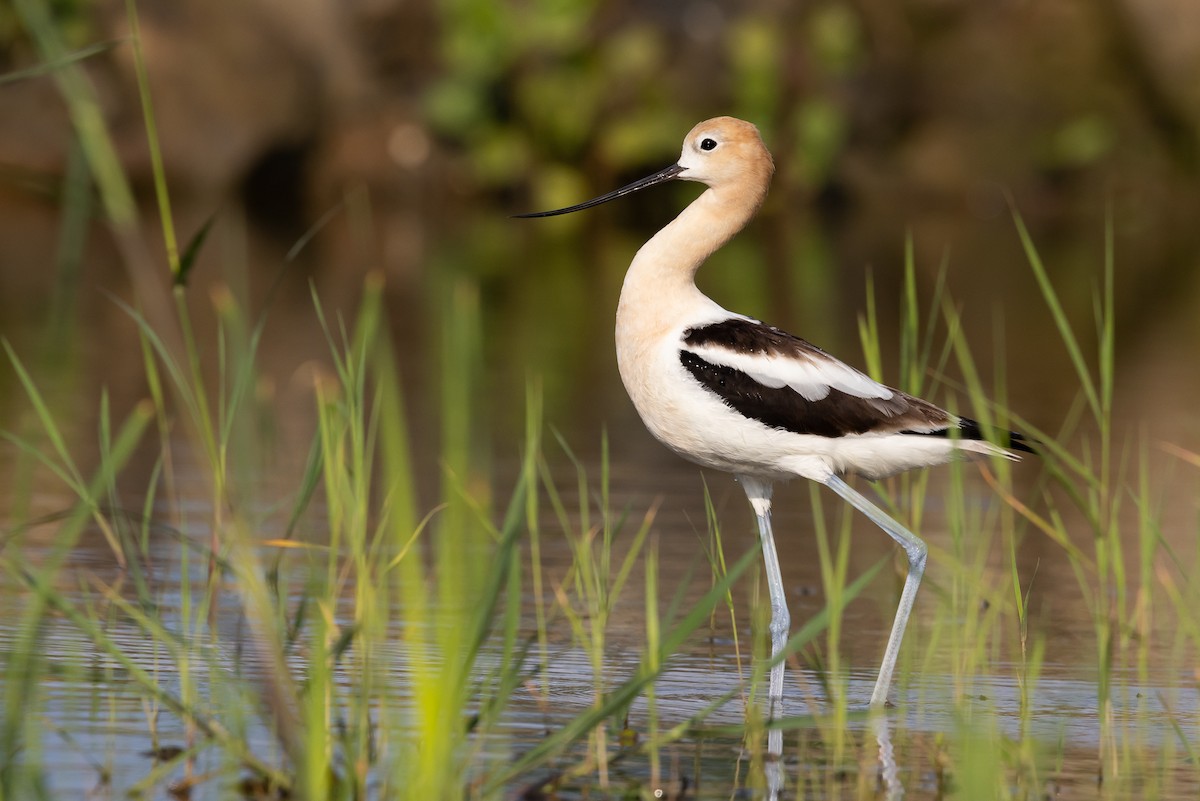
728	392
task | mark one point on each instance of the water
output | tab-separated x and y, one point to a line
97	727
99	730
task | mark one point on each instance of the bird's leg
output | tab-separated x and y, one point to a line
916	551
759	493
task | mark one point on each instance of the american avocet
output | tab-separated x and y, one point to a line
731	393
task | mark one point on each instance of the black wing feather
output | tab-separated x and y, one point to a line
835	415
838	414
969	429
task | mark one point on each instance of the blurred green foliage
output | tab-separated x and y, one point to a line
73	18
602	92
1082	141
555	101
883	118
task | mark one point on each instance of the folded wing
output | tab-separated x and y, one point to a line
785	382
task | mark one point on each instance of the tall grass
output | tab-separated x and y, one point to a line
341	639
354	710
317	663
380	646
983	634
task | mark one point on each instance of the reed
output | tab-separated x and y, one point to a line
342	637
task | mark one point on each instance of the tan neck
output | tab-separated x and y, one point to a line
660	284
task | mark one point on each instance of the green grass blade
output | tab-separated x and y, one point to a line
627	691
146	682
188	260
47	67
54	435
166	221
1059	316
84	110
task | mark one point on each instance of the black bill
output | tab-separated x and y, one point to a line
650	180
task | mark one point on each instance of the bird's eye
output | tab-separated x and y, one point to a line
708	143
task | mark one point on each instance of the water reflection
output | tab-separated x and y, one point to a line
99	725
889	772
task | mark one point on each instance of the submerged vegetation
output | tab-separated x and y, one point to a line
323	633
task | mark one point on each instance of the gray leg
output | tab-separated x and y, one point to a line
759	493
916	550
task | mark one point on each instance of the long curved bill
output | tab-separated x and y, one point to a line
659	177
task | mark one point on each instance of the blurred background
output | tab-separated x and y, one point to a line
327	140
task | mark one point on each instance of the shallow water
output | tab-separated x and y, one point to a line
97	725
544	320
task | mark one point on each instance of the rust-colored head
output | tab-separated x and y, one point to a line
725	153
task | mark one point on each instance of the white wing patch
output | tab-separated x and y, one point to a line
812	376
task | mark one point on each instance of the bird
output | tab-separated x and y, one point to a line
731	393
